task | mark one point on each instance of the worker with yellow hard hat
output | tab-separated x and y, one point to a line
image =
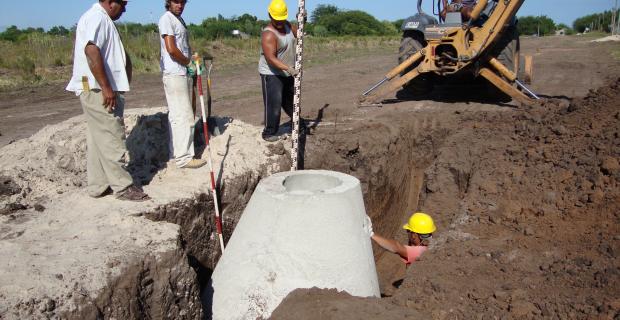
276	68
420	228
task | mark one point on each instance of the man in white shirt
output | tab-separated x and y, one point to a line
175	63
101	75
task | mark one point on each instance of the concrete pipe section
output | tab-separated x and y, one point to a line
300	229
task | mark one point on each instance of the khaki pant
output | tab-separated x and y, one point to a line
106	150
181	121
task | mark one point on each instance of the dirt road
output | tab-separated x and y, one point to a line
526	199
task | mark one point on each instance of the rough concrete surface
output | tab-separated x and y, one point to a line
276	248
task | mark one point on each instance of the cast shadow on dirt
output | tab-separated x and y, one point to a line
149	147
476	92
216	127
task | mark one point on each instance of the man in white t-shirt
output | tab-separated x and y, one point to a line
175	63
101	75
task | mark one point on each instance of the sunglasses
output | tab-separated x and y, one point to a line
121	2
426	236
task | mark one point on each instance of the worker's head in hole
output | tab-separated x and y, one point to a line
278	13
176	7
420	228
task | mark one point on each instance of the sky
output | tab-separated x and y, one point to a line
45	13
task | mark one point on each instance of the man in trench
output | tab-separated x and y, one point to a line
179	71
420	228
101	75
276	68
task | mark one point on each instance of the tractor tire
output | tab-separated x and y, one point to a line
410	44
510	54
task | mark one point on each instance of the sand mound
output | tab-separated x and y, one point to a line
80	252
607	39
53	161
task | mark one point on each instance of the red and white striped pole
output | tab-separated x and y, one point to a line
299	52
205	126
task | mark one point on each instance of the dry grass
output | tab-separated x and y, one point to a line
45	59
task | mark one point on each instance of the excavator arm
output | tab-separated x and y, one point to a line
451	49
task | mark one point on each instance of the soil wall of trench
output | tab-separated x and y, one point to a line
526	201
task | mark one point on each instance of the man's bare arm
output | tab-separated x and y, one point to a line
269	43
95	63
391	245
174	52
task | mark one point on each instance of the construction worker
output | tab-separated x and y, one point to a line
465	7
420	228
101	75
178	69
276	68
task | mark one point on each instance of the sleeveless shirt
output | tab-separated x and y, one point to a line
285	52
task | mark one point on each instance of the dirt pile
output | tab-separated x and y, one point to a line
55	159
73	257
527	203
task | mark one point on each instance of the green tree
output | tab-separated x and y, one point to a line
531	25
322	11
320	31
12	34
597	21
354	22
398	23
219	27
58	31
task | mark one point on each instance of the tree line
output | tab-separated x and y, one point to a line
324	21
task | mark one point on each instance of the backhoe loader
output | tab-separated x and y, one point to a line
486	46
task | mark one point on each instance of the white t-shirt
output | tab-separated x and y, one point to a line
170	25
97	27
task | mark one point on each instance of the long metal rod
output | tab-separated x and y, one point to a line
299	54
530	92
205	127
375	86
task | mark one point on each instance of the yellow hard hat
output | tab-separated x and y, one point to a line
420	223
278	10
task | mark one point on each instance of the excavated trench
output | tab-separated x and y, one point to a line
391	184
491	177
392	176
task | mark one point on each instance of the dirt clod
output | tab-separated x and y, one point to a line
8	187
610	166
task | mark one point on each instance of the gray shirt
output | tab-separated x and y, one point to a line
285	52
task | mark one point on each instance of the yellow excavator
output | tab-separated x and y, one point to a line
486	46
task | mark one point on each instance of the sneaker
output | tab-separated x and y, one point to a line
133	193
194	164
271	138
